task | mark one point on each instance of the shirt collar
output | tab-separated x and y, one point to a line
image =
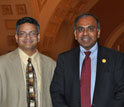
93	49
24	57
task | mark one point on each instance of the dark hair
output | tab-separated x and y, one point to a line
86	15
27	20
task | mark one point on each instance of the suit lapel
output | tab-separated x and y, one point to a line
75	74
101	68
16	66
17	74
46	77
76	65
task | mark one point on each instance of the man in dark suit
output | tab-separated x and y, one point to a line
106	70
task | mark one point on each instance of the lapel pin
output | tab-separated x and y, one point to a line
103	60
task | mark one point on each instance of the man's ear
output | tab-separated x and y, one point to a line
99	32
75	34
16	38
38	37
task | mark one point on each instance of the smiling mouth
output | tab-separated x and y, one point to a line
28	42
86	39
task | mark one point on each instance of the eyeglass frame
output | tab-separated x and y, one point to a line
89	28
24	34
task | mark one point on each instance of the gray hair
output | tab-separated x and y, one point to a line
86	15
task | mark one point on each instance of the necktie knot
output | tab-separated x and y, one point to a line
29	60
87	53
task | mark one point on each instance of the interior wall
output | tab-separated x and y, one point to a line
56	20
110	14
10	12
59	36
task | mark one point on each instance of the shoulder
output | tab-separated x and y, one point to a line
108	52
70	52
9	56
7	59
46	59
69	56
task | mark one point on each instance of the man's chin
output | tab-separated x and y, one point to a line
28	48
86	46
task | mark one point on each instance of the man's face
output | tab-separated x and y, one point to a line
86	32
27	37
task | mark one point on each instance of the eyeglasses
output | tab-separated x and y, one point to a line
24	34
89	28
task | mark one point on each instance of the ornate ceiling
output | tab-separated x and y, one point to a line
56	20
10	12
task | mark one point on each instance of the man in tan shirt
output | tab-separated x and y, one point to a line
13	84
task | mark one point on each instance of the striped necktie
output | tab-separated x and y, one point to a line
31	82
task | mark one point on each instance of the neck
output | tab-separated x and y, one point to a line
29	52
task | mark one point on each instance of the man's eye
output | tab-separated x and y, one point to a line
90	28
33	33
80	29
22	33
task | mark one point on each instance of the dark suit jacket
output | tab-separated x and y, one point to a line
109	86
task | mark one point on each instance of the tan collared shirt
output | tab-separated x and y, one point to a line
36	63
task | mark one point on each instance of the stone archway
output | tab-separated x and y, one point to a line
56	38
114	35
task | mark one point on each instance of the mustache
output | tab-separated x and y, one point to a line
86	37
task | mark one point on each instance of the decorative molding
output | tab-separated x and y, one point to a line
10	24
41	4
21	9
114	35
6	10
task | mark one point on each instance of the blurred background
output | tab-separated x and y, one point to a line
56	22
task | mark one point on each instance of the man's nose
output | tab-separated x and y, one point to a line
28	35
85	32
